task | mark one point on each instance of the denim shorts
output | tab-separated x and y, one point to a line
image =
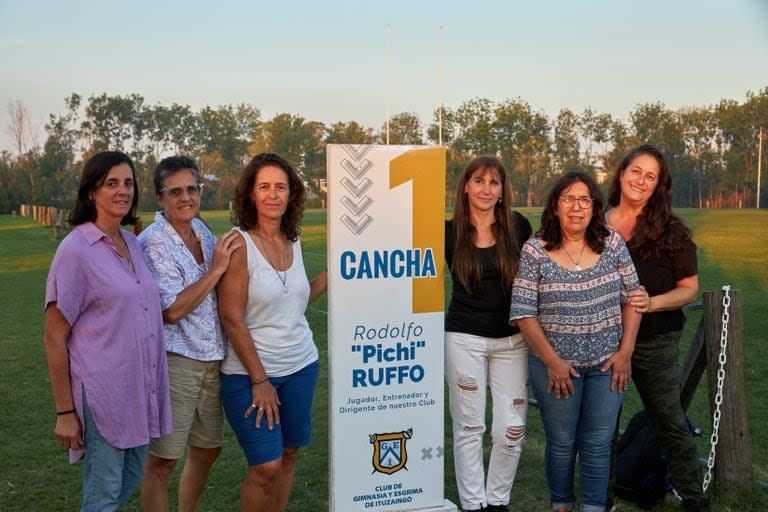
295	391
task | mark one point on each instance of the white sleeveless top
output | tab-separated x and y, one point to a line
275	318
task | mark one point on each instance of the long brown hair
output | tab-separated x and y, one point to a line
657	228
466	260
244	213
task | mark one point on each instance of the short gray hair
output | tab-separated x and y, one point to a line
172	165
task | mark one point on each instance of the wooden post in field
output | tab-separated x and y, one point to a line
56	224
733	464
759	166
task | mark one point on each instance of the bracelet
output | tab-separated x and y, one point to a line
262	381
62	413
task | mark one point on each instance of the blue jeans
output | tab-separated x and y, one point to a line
111	475
583	423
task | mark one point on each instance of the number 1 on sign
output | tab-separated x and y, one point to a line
426	169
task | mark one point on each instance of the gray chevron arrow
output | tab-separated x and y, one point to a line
356	190
357	152
357	208
357	171
356	227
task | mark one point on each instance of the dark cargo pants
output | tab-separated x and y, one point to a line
656	373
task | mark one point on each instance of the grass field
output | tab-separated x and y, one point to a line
34	475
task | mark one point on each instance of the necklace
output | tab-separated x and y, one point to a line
283	278
195	249
575	261
126	255
119	245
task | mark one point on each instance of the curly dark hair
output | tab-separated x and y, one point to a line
550	231
94	173
466	260
657	228
244	214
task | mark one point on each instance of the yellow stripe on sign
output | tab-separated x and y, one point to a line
426	168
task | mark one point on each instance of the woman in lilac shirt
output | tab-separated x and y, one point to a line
104	337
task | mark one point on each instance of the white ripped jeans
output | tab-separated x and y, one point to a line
472	364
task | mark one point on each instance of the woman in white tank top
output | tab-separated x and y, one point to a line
270	370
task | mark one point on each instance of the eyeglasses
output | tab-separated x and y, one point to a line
191	190
569	201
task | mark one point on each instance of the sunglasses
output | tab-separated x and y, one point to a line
191	190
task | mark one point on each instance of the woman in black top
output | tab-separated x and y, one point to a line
665	258
482	249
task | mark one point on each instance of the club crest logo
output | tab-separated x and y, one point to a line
389	451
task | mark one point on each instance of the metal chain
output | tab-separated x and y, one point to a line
719	393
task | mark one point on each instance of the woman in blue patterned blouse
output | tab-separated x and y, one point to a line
187	263
571	301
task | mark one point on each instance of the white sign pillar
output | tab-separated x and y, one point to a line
385	327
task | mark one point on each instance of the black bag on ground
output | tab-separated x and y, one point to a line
641	467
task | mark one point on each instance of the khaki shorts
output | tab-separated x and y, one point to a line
196	405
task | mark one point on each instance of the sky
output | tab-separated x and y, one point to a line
327	60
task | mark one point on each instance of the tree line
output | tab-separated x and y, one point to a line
713	150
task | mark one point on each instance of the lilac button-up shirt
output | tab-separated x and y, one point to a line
116	347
